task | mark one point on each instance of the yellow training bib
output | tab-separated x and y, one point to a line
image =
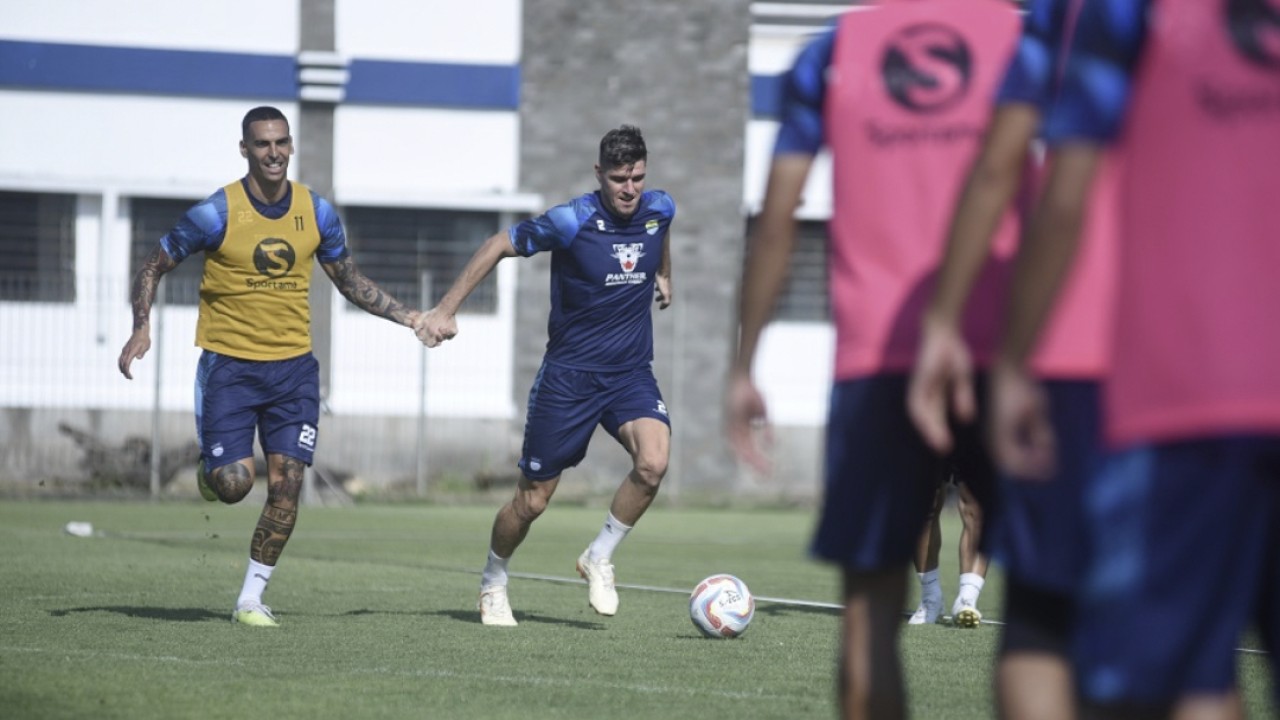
253	298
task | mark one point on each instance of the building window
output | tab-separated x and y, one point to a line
150	219
37	247
396	246
805	298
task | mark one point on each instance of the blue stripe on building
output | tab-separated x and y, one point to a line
100	68
379	82
57	66
193	73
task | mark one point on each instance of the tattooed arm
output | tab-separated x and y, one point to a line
365	293
143	297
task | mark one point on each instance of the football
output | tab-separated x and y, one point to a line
721	606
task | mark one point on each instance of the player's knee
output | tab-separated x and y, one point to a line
528	506
284	486
282	497
231	483
649	470
232	490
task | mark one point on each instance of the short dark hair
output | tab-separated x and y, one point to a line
258	114
622	146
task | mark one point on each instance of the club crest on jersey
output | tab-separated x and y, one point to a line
651	227
628	256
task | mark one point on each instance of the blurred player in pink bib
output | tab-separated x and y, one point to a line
1183	520
900	92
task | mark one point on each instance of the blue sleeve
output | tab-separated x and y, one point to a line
1033	72
803	91
333	239
1098	79
201	228
555	228
663	203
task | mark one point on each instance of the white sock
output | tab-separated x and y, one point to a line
970	587
930	587
495	571
607	541
256	578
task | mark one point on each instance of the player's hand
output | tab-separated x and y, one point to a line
434	327
662	285
137	346
747	422
941	385
1022	438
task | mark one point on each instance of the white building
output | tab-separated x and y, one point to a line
117	116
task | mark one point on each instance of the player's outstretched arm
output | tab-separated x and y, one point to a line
366	294
439	323
942	379
143	296
764	273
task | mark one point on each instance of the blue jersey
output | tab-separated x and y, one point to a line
1035	70
204	226
1098	79
803	91
602	278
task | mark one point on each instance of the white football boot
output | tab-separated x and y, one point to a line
964	614
927	613
601	592
494	607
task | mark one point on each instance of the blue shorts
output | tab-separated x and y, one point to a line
1039	537
881	478
565	405
280	399
1184	538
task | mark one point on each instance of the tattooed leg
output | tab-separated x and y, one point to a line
284	486
232	482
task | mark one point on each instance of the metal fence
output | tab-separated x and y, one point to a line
69	421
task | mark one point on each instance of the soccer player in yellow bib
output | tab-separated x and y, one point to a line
257	374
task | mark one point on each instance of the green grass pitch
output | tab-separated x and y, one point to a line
377	605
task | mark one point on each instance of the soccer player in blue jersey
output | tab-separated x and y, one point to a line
610	254
259	235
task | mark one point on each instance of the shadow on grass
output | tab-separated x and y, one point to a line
150	613
472	617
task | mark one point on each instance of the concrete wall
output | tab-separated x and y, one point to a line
679	72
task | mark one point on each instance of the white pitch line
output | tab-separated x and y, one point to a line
675	591
762	598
